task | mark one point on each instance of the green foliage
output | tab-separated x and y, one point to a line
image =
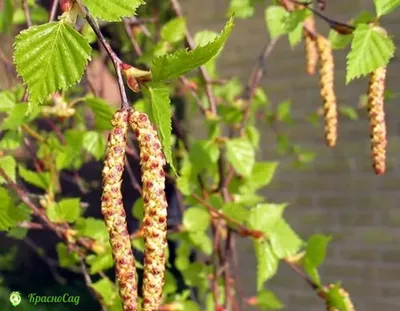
102	112
384	7
8	165
67	210
315	255
94	143
267	262
112	11
196	219
11	215
181	62
241	8
40	180
371	48
174	30
274	18
50	57
240	154
268	300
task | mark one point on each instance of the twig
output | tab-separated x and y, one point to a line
132	38
114	58
27	13
53	10
134	182
206	77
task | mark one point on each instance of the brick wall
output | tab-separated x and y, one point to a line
338	194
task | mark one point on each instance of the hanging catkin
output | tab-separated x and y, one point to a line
114	213
310	46
152	163
377	124
327	90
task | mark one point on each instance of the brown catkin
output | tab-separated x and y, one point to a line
377	123
345	295
327	90
152	163
114	213
310	46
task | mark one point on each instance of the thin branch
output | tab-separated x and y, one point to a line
27	13
53	10
134	182
206	77
128	30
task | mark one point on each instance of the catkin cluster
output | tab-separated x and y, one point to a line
327	90
152	161
377	124
114	214
310	46
347	300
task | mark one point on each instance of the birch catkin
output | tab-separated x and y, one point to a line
377	123
114	213
152	163
310	46
327	90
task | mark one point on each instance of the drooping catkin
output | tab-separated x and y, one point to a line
114	213
347	300
310	46
327	90
152	163
377	123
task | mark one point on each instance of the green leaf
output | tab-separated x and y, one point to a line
107	291
261	176
11	215
296	35
157	98
40	180
241	8
316	249
253	135
6	16
240	153
50	57
203	154
112	11
268	300
285	242
100	262
371	48
92	228
338	40
294	19
170	286
179	63
311	270
174	30
11	140
349	112
7	101
283	111
65	257
274	18
265	217
196	219
236	211
384	7
9	166
201	241
138	209
95	144
16	117
67	210
267	262
103	112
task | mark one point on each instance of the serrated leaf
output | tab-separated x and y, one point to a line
236	211
157	98
16	117
294	19
316	249
384	7
261	176
241	155
50	57
265	217
112	11
181	62
338	40
295	36
285	242
274	18
241	8
9	166
102	111
174	30
371	48
11	140
67	210
99	262
40	180
95	144
65	257
267	262
203	154
11	215
268	300
7	101
196	219
93	228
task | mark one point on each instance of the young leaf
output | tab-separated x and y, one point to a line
16	117
267	300
236	211
295	35
8	165
261	176
102	112
94	143
7	100
66	258
384	7
93	228
240	153
112	11
50	57
371	48
241	8
196	219
174	65
316	249
157	99
267	262
40	180
100	262
10	215
11	140
67	210
274	18
265	217
285	242
174	30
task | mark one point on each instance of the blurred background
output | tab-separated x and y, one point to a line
338	193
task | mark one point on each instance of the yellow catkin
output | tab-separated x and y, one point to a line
114	214
152	163
310	46
377	123
345	295
327	90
